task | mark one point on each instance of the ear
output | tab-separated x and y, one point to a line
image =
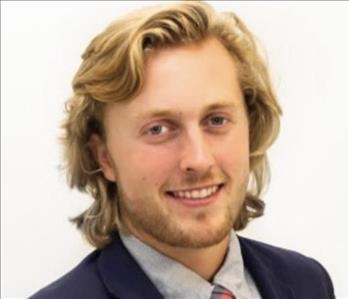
101	155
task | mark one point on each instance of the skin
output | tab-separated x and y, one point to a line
185	130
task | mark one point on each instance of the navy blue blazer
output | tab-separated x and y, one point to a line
113	273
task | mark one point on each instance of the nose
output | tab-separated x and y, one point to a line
196	154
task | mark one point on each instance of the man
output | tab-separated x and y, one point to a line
168	128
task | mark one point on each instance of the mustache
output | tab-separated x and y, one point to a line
197	179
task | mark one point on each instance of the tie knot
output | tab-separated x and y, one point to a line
220	292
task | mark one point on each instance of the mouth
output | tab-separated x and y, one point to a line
197	196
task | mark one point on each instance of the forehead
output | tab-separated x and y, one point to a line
186	78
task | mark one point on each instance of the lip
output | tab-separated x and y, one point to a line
194	203
197	188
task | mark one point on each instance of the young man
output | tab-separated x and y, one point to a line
168	128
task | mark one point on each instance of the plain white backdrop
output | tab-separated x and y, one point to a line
306	205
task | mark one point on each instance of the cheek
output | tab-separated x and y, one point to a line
145	168
234	155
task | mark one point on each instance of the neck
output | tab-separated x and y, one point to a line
203	261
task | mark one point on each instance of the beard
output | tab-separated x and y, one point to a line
151	217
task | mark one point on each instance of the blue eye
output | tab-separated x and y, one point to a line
157	130
217	120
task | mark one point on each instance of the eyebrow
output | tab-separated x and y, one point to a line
157	114
170	113
221	105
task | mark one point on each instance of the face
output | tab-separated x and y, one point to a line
179	151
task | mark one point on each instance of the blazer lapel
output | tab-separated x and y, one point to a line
268	284
124	278
121	274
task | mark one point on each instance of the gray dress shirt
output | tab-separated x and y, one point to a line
176	281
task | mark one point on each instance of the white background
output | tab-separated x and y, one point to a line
41	44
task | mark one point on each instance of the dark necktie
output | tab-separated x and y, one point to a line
221	293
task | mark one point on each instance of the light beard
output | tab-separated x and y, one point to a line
156	222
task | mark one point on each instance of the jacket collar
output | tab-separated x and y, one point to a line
124	278
261	270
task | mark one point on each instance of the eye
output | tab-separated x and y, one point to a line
157	130
217	121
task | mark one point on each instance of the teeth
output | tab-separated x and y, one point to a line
204	193
196	194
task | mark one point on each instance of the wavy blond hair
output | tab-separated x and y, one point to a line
112	70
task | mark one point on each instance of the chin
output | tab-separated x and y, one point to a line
203	240
199	234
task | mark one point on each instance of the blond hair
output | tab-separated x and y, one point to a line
112	70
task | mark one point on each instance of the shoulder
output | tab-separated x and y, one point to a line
83	281
110	272
273	255
288	266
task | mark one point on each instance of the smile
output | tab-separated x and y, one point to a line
201	193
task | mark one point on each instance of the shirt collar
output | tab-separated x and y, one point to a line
175	280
